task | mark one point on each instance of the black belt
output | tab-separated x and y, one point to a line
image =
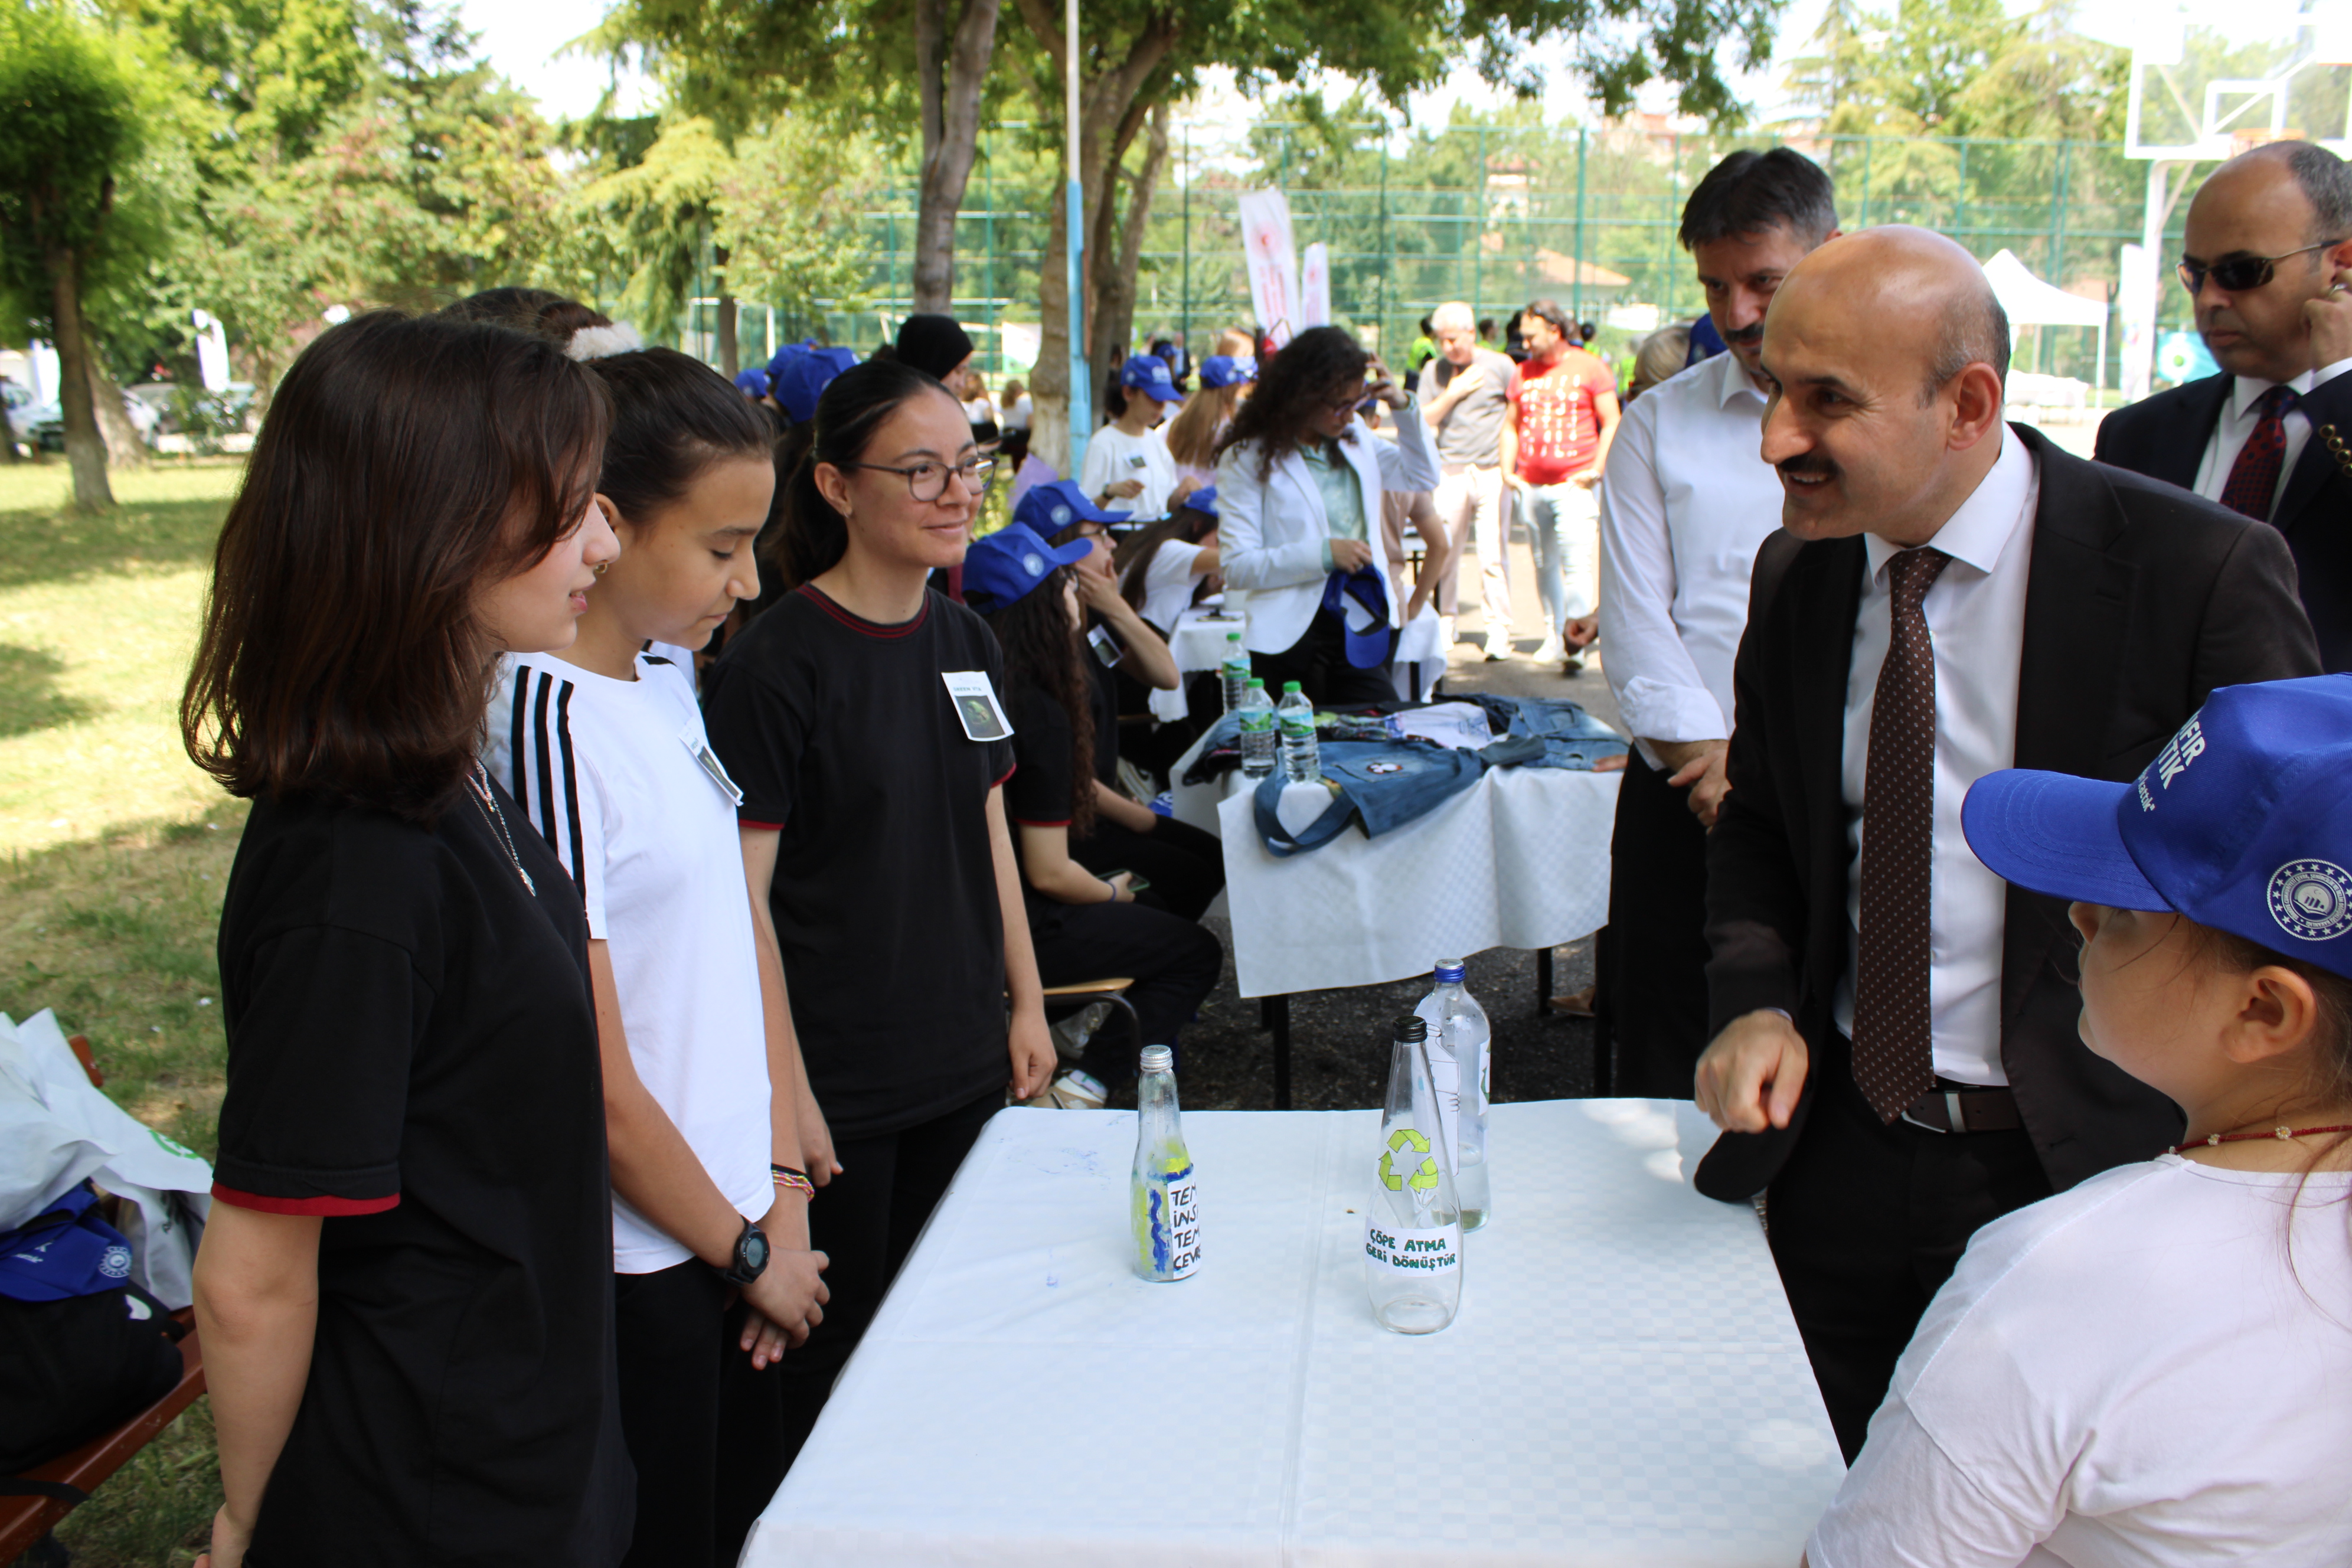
1957	1109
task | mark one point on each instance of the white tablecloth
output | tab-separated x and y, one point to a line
1518	859
1199	644
1623	1386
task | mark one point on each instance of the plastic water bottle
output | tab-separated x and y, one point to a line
1258	731
1235	672
1412	1226
1460	1047
1294	716
1167	1199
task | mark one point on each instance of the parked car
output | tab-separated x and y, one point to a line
50	423
182	408
21	407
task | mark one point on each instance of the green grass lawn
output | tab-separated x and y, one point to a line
114	851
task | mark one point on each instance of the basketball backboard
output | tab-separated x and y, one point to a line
2209	79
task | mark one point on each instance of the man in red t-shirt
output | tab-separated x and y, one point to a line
1563	411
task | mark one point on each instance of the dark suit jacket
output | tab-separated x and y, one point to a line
2163	437
2140	600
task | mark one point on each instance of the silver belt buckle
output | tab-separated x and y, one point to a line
1951	1108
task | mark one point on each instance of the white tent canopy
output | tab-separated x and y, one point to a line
2030	302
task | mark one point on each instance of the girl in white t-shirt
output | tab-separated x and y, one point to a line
2147	1368
1163	568
709	1131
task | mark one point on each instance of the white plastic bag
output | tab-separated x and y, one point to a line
41	1158
142	1166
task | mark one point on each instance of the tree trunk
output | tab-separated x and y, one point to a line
125	448
84	452
730	353
1049	383
1112	326
951	93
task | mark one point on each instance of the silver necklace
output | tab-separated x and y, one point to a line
487	804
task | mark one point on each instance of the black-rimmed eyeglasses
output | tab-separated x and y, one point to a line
2238	274
929	481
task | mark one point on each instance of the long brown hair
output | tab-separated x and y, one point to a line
1132	559
1318	364
405	463
1192	433
1041	649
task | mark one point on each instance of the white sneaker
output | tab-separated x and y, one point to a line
1552	651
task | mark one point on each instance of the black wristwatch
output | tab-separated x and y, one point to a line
750	1256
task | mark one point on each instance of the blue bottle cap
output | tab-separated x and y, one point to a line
1450	971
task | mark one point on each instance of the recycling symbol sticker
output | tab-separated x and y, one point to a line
1397	1169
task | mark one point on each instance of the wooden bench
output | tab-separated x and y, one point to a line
23	1521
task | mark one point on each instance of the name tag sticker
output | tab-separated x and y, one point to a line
698	748
1135	459
976	707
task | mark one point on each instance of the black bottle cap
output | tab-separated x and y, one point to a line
1412	1026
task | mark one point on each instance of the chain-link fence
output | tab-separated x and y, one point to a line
1495	215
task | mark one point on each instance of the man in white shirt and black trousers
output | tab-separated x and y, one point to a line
2266	251
1686	501
1896	1061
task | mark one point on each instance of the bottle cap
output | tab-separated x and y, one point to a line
1254	685
1410	1027
1290	685
1157	1058
1449	971
1233	636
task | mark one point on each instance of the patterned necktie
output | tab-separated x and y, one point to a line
2253	477
1894	1046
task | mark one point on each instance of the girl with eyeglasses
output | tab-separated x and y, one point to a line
863	718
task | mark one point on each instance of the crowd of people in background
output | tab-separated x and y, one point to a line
597	917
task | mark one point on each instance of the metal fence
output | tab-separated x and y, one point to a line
1496	215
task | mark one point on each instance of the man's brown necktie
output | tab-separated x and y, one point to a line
1893	1048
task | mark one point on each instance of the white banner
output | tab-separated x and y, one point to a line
1273	259
1314	286
2135	305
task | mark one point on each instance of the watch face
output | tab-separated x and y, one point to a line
752	1252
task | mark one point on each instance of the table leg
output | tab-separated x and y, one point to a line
1416	680
1275	1012
1543	983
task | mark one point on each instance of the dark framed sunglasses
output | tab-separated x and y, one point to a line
2238	274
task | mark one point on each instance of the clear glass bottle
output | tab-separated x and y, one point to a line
1461	1044
1294	716
1258	731
1412	1225
1167	1200
1233	673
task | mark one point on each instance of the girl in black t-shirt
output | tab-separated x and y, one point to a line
1084	926
404	1290
859	716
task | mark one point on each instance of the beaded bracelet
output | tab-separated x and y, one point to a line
793	1181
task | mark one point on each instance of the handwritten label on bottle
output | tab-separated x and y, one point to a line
1403	1251
1172	1218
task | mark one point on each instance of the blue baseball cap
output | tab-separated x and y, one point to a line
1149	374
1051	508
1202	500
1001	567
804	377
751	383
1224	370
1360	600
2242	823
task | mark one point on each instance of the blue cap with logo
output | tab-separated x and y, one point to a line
802	377
1149	374
1051	508
2242	823
1202	500
1226	369
1001	567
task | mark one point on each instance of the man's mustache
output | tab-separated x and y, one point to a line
1748	336
1810	465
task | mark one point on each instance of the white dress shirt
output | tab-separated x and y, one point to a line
1686	501
1976	619
2238	421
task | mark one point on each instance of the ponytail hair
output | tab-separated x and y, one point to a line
811	537
673	416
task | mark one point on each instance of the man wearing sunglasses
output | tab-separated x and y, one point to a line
2267	254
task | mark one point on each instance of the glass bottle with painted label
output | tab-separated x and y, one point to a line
1233	673
1167	1199
1460	1045
1412	1226
1258	731
1294	716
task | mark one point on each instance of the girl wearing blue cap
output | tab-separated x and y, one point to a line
2146	1369
1127	463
